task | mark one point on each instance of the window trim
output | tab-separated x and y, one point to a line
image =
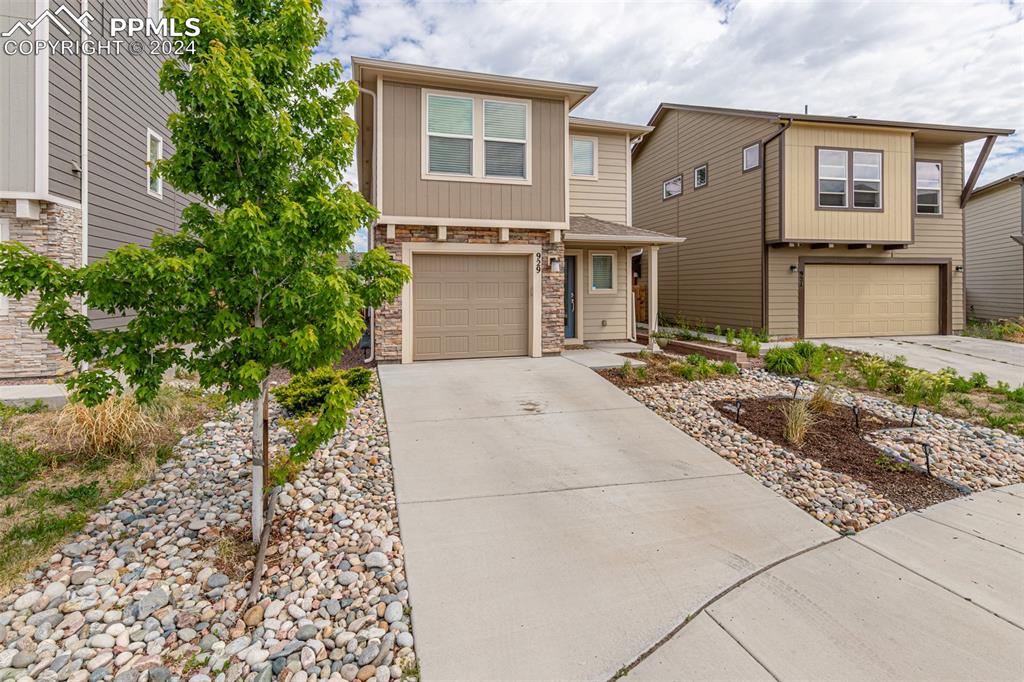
848	206
707	176
941	169
743	157
155	10
5	235
594	140
479	164
159	193
665	183
525	141
590	274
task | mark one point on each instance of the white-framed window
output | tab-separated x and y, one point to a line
928	187
475	138
867	179
155	10
700	176
154	152
602	272
833	167
584	157
751	156
672	187
5	235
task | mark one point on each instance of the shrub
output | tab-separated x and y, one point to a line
644	354
702	367
937	385
696	359
727	368
359	380
783	361
895	379
116	427
871	368
627	371
816	363
749	343
805	349
718	330
683	370
799	420
305	393
641	373
915	388
979	380
730	336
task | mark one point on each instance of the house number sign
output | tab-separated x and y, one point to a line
538	262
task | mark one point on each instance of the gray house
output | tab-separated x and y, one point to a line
77	134
994	243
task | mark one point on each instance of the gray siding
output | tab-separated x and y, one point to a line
17	107
994	262
65	117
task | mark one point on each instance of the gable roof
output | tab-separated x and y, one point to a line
635	129
1012	178
586	228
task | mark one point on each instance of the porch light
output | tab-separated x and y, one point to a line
792	268
555	263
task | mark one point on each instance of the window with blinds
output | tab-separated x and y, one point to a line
584	149
504	139
450	134
602	272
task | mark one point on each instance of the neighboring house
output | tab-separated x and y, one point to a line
994	262
77	134
514	216
807	226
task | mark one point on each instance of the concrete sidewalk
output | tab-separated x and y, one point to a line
932	595
53	396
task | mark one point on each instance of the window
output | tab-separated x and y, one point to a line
450	134
700	176
672	188
832	175
584	151
928	176
504	139
867	179
154	152
155	10
602	272
751	157
4	236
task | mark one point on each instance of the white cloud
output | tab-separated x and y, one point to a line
950	62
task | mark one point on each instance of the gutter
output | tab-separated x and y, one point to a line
370	228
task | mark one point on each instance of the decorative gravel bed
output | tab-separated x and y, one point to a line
138	594
967	455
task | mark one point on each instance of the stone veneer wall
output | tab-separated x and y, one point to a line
388	322
57	233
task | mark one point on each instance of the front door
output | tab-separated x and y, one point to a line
570	297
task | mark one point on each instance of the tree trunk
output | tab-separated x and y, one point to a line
260	459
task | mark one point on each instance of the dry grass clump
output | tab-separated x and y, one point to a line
799	420
115	428
823	400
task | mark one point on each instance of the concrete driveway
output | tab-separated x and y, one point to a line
999	360
554	528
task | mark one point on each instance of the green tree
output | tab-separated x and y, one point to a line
251	280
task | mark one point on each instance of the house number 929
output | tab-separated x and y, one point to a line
538	262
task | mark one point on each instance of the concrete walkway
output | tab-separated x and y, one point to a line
932	595
52	395
554	528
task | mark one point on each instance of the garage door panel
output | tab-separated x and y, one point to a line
870	300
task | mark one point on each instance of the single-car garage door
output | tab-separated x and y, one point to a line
870	300
468	306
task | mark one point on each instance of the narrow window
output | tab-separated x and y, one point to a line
672	188
929	187
504	139
155	10
867	180
154	152
450	134
832	175
751	157
700	176
583	157
602	272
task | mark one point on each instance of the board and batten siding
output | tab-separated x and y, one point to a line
17	108
406	193
715	276
605	197
601	317
125	100
936	237
66	115
995	262
802	220
772	189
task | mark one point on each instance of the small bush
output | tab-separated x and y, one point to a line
799	420
644	354
749	343
627	371
805	349
696	359
823	401
937	386
727	368
730	336
115	428
718	330
641	373
895	380
871	368
1000	421
683	370
783	361
979	380
305	393
915	388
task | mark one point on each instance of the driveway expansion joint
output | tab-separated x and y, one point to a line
743	646
972	533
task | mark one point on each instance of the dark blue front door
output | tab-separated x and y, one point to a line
570	297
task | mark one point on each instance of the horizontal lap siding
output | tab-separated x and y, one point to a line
17	109
604	198
65	114
405	193
593	309
995	263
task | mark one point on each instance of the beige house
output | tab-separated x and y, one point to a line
515	217
808	226
994	223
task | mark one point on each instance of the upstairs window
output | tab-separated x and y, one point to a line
504	139
832	176
584	149
154	152
928	176
751	157
867	179
700	176
450	135
672	188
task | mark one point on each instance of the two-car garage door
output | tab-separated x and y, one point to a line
870	300
470	306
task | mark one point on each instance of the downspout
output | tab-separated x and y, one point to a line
371	228
764	223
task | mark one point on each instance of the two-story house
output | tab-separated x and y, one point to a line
78	134
808	226
515	217
994	258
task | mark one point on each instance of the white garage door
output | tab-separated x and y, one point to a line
870	300
468	306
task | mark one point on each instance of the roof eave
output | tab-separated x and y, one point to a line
570	235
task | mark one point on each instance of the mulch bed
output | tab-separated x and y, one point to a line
656	366
353	357
833	442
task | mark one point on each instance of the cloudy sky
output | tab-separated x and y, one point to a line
939	62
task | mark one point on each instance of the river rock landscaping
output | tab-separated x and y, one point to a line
967	456
154	586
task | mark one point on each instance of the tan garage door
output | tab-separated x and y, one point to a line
470	306
870	300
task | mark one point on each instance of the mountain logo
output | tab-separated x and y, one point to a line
54	19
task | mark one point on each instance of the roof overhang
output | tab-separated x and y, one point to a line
660	240
597	126
1011	179
364	68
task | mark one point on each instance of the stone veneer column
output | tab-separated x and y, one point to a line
57	233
